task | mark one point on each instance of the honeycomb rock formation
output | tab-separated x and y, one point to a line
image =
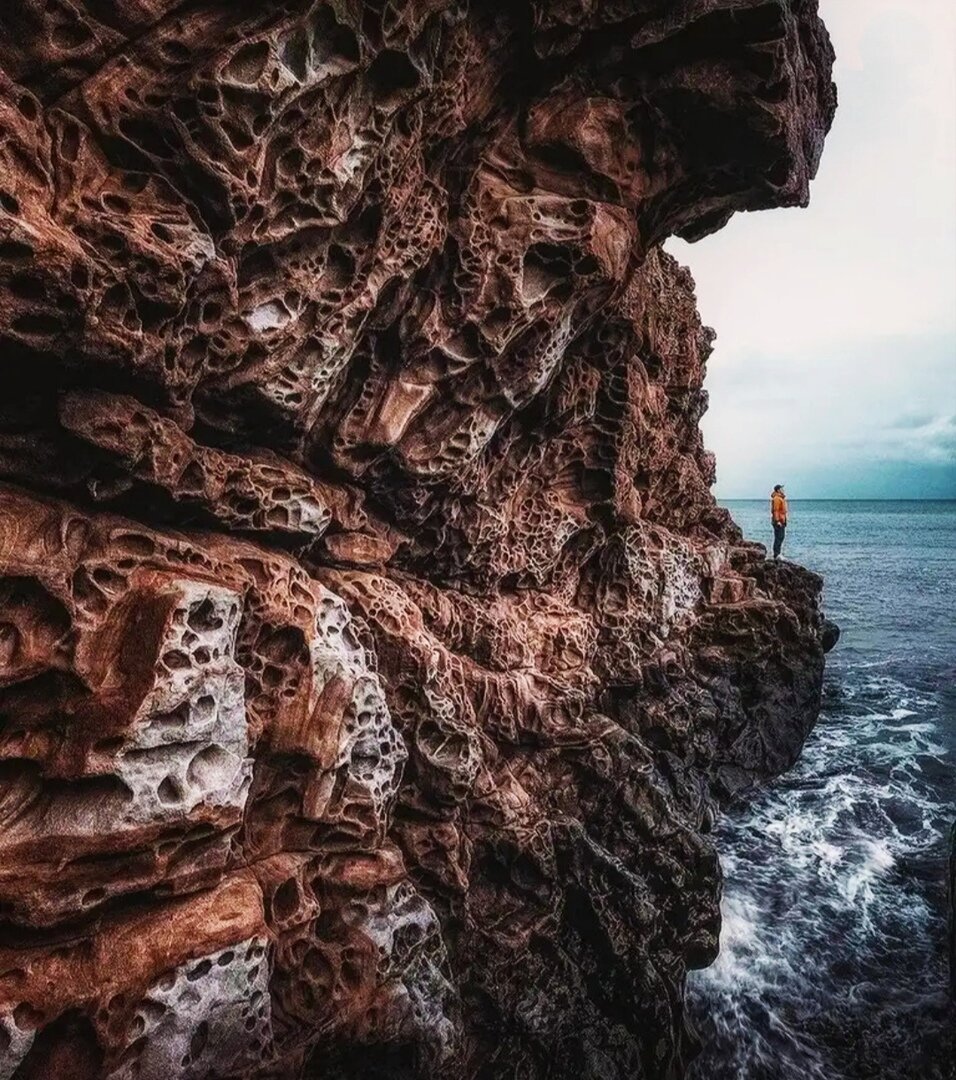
373	655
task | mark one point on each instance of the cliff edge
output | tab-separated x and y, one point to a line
373	654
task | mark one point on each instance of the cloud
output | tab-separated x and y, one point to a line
836	328
933	442
840	409
906	423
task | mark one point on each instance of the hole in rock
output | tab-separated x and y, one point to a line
12	251
340	267
248	64
69	36
283	645
67	1049
285	900
199	1040
175	51
161	232
70	142
175	659
295	55
116	203
40	325
26	1017
200	971
212	768
268	316
169	792
333	43
205	706
192	480
203	618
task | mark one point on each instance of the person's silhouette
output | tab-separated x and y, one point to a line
778	518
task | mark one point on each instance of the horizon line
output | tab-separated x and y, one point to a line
841	498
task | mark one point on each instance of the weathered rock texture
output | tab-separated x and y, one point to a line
372	652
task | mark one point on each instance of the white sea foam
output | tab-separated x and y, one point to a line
816	894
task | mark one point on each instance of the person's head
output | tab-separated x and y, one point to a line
778	487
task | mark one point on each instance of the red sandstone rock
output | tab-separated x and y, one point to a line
372	651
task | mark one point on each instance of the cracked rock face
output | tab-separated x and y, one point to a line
373	655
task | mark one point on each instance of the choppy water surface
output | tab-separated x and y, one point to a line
833	960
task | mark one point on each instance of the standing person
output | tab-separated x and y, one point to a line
778	518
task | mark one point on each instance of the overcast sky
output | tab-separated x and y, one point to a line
835	365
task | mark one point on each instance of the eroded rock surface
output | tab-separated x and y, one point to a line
372	652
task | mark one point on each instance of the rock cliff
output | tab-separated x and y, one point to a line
373	655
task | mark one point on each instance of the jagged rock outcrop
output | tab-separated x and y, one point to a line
372	651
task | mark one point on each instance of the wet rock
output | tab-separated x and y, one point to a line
373	654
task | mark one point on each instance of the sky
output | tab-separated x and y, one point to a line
834	370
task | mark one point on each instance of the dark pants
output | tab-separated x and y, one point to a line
779	531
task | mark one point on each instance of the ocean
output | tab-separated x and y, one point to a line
833	962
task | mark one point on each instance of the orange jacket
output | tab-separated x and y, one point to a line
778	508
